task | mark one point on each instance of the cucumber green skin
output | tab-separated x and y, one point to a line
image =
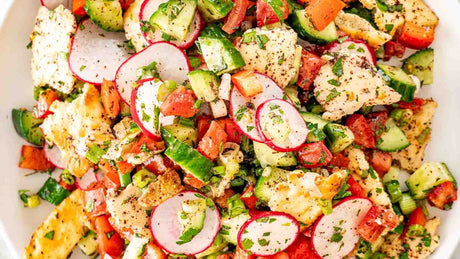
53	192
178	26
205	84
218	244
338	137
231	56
183	133
88	244
392	140
315	119
403	86
300	22
428	176
266	184
213	10
27	126
232	226
106	14
268	156
189	159
421	64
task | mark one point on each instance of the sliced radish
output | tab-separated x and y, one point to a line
51	4
149	7
172	64
96	54
145	108
164	224
353	46
335	234
279	122
268	233
243	110
83	183
54	155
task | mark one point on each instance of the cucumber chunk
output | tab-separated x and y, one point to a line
428	176
407	204
338	137
231	226
397	79
300	22
106	14
213	10
27	126
393	139
191	219
174	17
205	84
218	244
270	157
88	243
220	55
421	64
316	125
266	184
186	134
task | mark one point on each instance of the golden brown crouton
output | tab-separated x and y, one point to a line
167	185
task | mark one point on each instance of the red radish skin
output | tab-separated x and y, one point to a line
172	64
148	7
95	53
85	182
344	219
299	130
344	47
164	226
51	4
54	155
145	94
282	234
237	100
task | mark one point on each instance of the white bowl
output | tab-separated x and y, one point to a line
17	223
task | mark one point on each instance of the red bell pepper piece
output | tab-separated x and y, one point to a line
415	36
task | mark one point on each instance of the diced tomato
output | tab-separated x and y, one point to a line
248	197
443	195
110	242
44	103
225	256
78	7
145	142
355	188
234	135
301	249
380	162
211	144
393	49
191	180
323	12
417	217
313	155
202	124
309	68
339	160
361	130
414	105
247	83
222	200
110	98
377	122
241	254
266	15
236	16
280	255
124	167
126	3
152	251
415	36
369	229
34	158
180	102
95	201
111	178
156	165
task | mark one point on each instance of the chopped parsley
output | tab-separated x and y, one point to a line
334	82
261	40
263	242
49	235
389	27
337	69
240	113
332	95
336	237
110	234
246	244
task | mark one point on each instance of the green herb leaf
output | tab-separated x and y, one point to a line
332	95
337	69
246	244
49	235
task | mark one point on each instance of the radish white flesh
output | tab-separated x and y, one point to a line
281	125
149	7
341	223
243	110
83	183
164	224
172	64
96	53
54	155
358	47
51	4
268	233
145	108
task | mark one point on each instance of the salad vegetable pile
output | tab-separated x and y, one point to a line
233	129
